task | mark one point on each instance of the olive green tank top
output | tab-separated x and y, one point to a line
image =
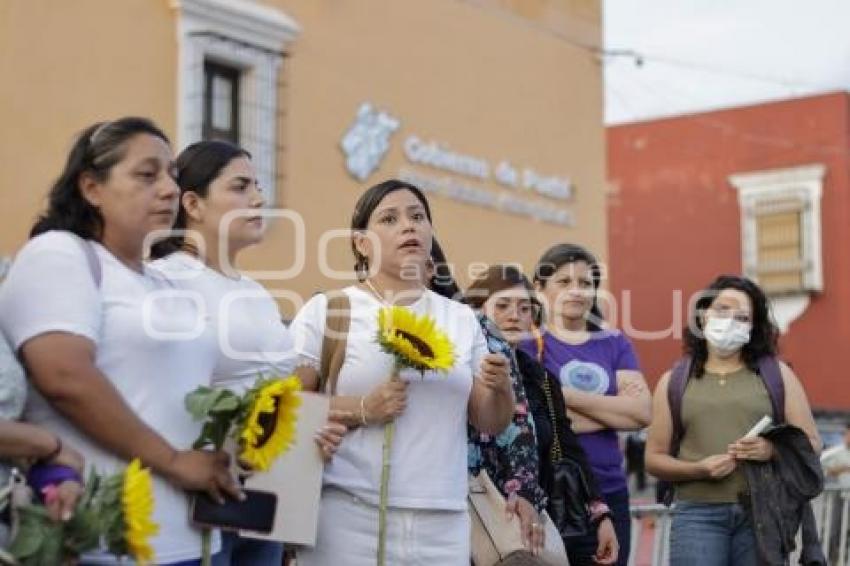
716	411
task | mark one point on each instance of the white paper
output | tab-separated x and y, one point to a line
296	478
759	427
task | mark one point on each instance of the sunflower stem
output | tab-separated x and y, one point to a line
389	431
206	547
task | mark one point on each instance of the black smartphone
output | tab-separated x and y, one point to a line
254	513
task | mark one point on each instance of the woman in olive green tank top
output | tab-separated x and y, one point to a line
729	332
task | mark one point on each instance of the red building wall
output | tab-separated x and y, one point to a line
674	224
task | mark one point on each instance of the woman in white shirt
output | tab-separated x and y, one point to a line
109	347
427	521
220	211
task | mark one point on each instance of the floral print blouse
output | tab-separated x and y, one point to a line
510	458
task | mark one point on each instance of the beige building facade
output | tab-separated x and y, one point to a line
494	107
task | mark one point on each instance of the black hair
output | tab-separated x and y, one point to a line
562	254
763	336
196	168
366	205
96	151
442	281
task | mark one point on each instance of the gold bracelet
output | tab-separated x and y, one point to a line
363	410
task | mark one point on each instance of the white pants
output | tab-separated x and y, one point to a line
348	534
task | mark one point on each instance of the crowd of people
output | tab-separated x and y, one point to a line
539	392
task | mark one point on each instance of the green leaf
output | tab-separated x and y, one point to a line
50	553
225	402
39	540
91	488
29	539
199	401
82	532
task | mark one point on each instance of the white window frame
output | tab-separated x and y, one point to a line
247	36
804	183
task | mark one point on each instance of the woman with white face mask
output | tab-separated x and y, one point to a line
725	393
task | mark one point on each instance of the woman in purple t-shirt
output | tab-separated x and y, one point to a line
598	370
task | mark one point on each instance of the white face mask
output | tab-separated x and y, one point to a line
727	335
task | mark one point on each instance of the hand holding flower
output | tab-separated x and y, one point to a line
386	402
415	343
61	500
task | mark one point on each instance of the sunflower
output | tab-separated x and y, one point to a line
137	506
414	341
269	427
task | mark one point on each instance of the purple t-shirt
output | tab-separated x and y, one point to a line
593	367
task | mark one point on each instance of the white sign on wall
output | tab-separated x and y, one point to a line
367	142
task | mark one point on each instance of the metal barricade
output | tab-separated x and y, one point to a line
832	513
650	527
651	530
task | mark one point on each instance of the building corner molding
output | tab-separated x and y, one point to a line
250	37
240	20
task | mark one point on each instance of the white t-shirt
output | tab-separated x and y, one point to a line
151	344
429	451
835	457
252	339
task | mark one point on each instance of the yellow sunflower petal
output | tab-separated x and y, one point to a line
137	504
280	398
415	339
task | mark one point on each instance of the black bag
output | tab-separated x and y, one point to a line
567	495
568	489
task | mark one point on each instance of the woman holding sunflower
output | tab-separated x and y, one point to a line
94	327
392	237
220	215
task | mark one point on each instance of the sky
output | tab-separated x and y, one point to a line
700	55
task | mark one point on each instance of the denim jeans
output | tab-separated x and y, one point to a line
712	534
239	551
581	550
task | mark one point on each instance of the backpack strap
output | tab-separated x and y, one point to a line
771	375
93	261
337	323
679	376
675	393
